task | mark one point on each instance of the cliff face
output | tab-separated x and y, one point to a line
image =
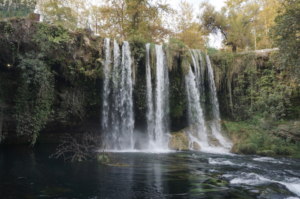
51	83
255	84
49	79
259	103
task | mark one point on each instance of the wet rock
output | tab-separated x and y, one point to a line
179	141
196	146
213	141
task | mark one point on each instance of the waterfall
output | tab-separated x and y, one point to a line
117	115
195	58
106	88
202	75
198	132
158	112
150	116
215	126
199	72
116	92
126	105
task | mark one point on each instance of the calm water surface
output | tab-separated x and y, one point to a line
29	173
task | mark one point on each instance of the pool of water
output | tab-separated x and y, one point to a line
29	173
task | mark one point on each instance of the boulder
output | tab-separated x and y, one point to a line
196	146
179	141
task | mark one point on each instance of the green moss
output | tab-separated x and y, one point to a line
103	159
254	137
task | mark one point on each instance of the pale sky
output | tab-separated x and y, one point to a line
217	3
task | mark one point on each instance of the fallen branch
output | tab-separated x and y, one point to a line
78	148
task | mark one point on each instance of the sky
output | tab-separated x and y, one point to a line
214	40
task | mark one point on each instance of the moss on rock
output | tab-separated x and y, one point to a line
179	141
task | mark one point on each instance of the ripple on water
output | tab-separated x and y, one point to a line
268	159
220	161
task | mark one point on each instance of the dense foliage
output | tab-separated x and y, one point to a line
286	35
250	84
16	8
266	138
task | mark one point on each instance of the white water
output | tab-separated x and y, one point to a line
199	72
292	184
202	75
150	116
106	88
196	65
198	132
118	110
158	115
215	125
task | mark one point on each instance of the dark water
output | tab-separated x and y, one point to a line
29	173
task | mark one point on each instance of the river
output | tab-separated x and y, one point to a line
29	173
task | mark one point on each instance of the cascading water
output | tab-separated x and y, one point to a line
195	92
126	105
197	132
196	62
215	126
118	117
199	72
106	84
202	76
150	116
158	113
118	114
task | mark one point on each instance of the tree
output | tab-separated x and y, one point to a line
286	34
233	21
131	18
187	30
59	12
263	23
70	14
16	8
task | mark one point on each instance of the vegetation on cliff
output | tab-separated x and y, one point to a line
57	74
49	73
257	96
36	57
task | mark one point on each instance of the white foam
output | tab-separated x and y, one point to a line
249	179
220	161
140	151
217	150
292	184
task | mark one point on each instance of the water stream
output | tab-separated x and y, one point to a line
106	85
215	124
159	129
150	113
118	116
197	132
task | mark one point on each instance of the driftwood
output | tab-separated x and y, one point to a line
78	148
